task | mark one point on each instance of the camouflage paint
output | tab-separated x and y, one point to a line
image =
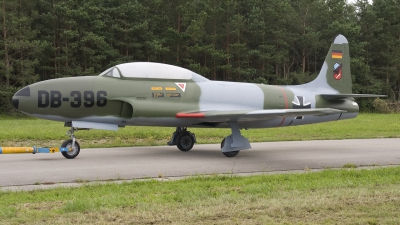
196	102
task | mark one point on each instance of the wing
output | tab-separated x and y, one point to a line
248	115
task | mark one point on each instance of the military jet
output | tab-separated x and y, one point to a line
154	94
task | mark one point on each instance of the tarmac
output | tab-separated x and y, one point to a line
42	171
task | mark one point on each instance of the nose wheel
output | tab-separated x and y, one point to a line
72	144
75	149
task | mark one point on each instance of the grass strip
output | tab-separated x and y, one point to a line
346	196
38	132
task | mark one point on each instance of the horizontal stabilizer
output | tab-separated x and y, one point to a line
344	96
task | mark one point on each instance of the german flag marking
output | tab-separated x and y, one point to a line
337	54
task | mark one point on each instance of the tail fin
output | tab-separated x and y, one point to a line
334	80
338	74
335	76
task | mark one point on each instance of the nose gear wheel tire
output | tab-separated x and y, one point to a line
75	151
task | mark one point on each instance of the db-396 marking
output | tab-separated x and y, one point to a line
54	99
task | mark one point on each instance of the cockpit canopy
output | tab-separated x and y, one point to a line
152	70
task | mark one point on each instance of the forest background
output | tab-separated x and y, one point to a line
261	41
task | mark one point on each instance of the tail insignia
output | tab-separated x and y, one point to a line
337	54
337	71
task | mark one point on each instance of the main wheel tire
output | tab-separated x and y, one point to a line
185	141
75	151
228	154
231	154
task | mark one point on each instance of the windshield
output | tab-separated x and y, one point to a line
113	72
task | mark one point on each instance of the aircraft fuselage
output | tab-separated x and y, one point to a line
154	94
155	102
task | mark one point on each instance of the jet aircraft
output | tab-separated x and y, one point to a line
154	94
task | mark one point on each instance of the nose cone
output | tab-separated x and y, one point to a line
24	92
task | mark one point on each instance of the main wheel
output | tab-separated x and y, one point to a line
228	154
185	141
231	154
75	150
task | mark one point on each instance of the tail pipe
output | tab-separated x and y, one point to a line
33	150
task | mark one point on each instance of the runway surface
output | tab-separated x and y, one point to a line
147	162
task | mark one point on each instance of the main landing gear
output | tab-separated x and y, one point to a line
183	139
230	145
234	143
228	154
71	143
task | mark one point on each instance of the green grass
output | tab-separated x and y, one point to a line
29	132
346	196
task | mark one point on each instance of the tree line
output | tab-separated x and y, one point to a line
266	41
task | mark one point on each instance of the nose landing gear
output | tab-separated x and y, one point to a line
72	144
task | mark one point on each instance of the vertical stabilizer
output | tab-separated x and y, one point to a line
335	76
338	60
